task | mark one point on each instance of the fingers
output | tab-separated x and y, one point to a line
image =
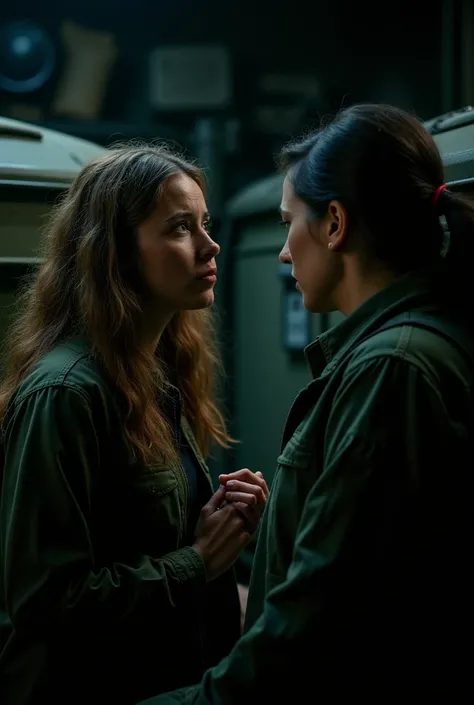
215	501
248	499
245	510
245	538
239	523
242	507
251	516
264	484
245	476
243	492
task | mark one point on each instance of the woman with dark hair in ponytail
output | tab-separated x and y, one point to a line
362	589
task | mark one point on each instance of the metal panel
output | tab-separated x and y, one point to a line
20	229
31	152
267	377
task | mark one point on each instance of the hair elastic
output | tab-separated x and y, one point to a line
437	194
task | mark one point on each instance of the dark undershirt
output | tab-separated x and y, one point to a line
197	487
196	492
190	468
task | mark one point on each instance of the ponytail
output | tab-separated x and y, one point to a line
456	264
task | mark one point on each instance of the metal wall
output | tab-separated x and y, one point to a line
266	375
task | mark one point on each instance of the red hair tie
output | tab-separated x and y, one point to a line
437	194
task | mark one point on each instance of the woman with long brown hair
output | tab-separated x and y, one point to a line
115	557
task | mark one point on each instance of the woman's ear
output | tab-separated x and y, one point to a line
336	227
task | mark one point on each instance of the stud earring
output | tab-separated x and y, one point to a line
330	245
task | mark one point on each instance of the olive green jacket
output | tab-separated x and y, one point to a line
361	588
101	597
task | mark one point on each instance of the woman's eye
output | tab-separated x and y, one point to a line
182	227
207	226
284	224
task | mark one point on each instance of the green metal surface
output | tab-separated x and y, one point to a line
267	376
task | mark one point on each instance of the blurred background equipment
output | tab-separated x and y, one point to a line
196	77
27	57
90	56
36	167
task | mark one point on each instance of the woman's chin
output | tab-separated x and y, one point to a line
203	300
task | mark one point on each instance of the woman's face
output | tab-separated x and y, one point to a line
177	253
309	248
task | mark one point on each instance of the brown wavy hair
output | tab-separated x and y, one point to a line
89	283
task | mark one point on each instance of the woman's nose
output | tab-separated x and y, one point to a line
285	257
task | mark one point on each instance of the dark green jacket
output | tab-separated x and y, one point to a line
362	589
101	598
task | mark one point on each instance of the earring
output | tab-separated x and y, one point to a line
330	245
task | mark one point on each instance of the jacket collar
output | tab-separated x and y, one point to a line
403	294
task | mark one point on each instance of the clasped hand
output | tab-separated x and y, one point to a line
248	492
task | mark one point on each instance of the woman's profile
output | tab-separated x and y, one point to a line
361	587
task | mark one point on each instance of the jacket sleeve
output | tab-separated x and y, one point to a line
48	569
381	406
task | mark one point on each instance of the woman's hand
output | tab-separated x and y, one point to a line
248	492
221	534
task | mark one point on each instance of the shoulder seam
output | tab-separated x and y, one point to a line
58	384
61	376
403	336
398	354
